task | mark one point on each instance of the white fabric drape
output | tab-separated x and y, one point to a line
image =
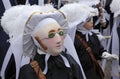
6	3
115	49
15	49
68	44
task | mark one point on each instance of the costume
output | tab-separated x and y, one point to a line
88	47
56	68
40	32
84	56
77	19
46	46
92	52
76	23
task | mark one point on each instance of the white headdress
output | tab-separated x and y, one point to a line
33	21
77	13
115	7
23	24
14	19
22	20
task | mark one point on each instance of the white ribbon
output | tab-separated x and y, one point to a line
47	56
86	33
6	3
65	61
46	64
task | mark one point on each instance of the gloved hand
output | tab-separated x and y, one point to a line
100	37
109	56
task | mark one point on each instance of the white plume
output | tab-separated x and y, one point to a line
9	17
115	7
77	12
14	19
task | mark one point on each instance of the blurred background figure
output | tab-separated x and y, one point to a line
115	41
79	20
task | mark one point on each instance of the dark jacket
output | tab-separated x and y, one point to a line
85	58
56	68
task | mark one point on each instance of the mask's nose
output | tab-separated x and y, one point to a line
58	38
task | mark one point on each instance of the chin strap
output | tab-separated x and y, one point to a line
47	56
46	64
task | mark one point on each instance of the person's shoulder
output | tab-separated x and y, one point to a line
27	72
26	67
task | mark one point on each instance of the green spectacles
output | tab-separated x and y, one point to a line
52	34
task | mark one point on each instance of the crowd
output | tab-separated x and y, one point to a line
59	39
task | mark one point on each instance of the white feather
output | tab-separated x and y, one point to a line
14	19
9	17
78	12
115	7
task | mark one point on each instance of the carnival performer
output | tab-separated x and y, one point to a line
37	38
87	44
89	50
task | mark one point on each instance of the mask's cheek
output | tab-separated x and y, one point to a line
54	47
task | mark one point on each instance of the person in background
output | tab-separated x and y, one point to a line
89	50
83	24
77	23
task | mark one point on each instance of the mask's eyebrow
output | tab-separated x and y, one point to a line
54	30
51	31
59	29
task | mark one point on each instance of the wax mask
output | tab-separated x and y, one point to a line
51	38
